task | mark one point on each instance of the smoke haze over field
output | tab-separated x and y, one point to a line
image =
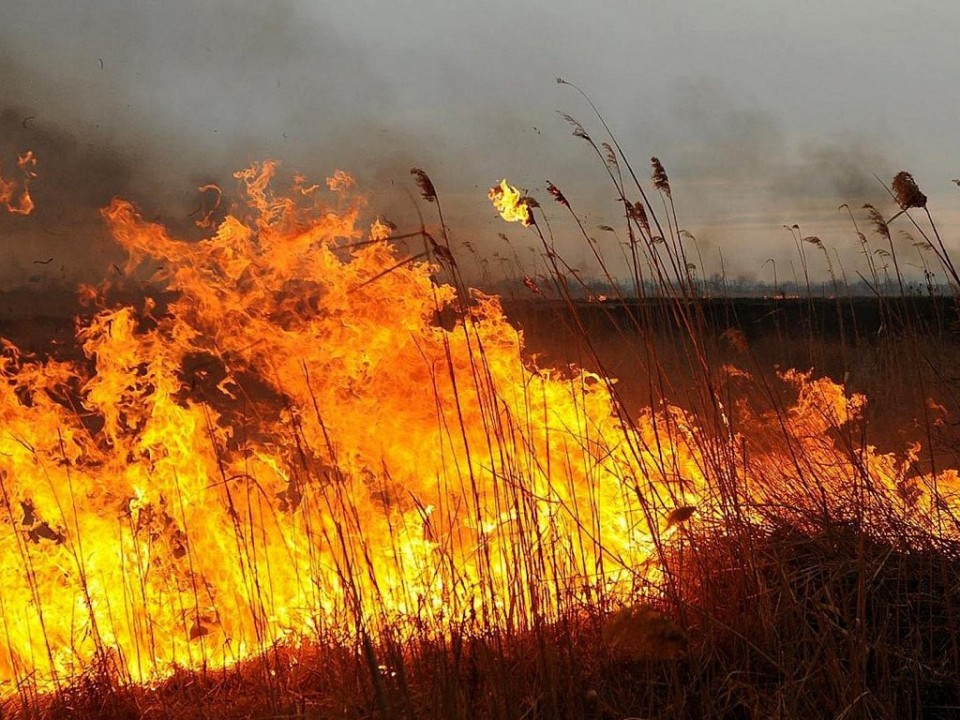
770	115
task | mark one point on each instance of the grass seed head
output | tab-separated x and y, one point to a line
660	180
639	213
427	190
876	219
557	194
906	191
611	156
578	129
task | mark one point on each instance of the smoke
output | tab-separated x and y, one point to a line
726	140
743	175
149	100
75	179
843	169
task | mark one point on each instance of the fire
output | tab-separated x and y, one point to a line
14	194
290	451
509	202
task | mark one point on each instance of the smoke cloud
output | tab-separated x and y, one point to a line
148	100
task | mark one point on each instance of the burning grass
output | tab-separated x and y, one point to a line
776	623
321	481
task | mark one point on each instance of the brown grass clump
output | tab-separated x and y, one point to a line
643	632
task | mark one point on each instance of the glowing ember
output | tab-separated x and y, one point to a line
15	195
290	450
511	205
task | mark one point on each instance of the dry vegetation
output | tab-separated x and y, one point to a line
818	576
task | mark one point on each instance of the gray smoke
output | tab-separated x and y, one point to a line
149	99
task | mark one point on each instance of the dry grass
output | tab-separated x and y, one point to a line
777	623
797	610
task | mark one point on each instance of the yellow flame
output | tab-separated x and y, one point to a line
510	203
288	451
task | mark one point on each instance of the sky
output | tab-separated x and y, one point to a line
765	113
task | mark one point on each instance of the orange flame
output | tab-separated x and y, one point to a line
11	189
289	451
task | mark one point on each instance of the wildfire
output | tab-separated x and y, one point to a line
15	194
290	451
509	202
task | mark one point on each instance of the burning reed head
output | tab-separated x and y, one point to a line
512	205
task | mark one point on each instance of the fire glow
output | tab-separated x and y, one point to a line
15	194
296	446
509	202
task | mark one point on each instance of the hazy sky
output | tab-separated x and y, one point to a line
764	112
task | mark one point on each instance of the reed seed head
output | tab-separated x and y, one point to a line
906	191
660	180
557	194
638	213
876	219
427	190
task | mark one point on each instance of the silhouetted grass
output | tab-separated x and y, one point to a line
802	599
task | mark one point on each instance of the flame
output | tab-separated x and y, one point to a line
10	189
290	451
511	205
210	199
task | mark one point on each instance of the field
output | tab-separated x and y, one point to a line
298	469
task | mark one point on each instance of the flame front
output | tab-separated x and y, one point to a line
341	461
289	450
